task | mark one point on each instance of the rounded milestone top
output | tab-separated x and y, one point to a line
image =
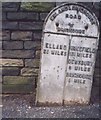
72	19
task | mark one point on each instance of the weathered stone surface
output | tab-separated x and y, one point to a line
3	16
69	75
32	62
0	53
1	13
59	3
32	44
20	35
10	6
30	25
11	45
96	5
18	89
97	72
97	81
0	73
9	25
18	80
98	57
37	54
97	13
43	16
98	54
0	79
37	35
99	48
97	63
29	71
37	6
0	35
53	67
5	35
22	16
11	62
95	94
10	71
18	53
0	45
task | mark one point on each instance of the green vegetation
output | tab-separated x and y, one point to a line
37	6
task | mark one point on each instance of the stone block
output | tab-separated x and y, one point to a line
10	6
97	72
29	72
18	53
88	4
22	16
43	16
97	81
21	35
11	45
4	16
32	62
37	35
99	46
98	54
97	5
24	89
0	45
9	25
95	94
11	62
38	54
30	25
18	80
32	44
97	13
10	71
5	35
97	63
0	53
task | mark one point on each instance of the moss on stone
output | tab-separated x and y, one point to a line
37	6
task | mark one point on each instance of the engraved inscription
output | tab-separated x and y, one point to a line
55	49
80	62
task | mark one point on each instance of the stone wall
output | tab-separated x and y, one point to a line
21	44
